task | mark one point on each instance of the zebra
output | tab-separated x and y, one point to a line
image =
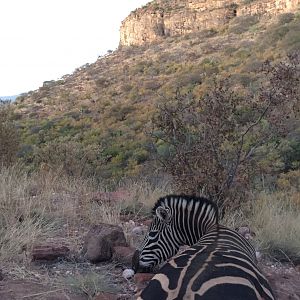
218	264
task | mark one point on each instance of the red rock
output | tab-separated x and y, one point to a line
143	277
106	296
49	251
123	254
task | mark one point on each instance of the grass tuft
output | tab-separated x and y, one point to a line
276	221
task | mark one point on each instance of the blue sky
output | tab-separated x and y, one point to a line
45	39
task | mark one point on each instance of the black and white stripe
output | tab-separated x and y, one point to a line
219	264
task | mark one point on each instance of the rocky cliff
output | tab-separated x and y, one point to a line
162	18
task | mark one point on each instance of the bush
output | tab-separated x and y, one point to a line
243	24
285	18
72	158
217	143
9	137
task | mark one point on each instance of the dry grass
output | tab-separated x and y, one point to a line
92	283
39	206
275	219
23	218
143	195
96	213
36	207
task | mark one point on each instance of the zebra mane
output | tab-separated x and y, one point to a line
166	200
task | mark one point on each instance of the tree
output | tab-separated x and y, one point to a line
211	144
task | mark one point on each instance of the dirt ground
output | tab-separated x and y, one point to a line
55	280
285	280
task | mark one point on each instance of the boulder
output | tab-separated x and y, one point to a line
100	241
123	254
49	251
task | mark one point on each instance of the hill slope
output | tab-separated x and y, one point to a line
93	120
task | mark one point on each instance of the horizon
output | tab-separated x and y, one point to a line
45	41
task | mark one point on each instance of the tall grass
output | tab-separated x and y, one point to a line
35	207
143	194
38	206
23	217
275	219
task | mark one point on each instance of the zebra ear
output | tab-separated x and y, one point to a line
162	213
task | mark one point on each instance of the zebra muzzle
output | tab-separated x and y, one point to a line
136	266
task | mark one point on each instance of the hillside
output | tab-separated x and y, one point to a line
94	119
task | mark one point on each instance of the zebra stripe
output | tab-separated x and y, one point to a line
219	264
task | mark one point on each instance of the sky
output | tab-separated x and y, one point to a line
43	40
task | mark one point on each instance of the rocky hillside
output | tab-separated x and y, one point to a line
94	119
163	18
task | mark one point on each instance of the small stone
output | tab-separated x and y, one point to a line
138	230
131	222
243	230
258	255
128	273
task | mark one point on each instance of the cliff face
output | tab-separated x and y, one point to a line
163	18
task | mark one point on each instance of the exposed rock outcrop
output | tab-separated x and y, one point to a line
162	18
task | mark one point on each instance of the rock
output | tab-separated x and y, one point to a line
162	19
246	232
128	273
138	230
141	280
49	251
100	240
258	255
143	277
123	254
106	296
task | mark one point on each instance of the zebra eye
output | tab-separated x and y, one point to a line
152	234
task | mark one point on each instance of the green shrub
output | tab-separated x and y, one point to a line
285	18
243	24
9	136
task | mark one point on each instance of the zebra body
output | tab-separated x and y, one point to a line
219	264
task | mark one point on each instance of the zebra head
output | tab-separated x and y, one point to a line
177	220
